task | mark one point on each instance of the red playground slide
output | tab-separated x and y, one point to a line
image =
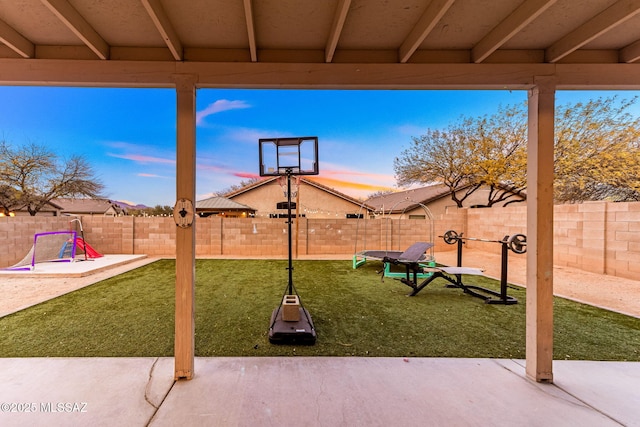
84	246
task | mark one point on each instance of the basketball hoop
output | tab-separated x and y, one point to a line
284	158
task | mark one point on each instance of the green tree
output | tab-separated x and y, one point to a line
436	156
498	149
160	210
31	176
597	154
157	210
470	153
597	151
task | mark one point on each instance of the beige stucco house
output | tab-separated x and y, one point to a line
437	200
312	200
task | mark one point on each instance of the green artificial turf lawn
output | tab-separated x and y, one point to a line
355	314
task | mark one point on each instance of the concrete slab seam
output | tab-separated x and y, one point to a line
600	411
549	388
147	392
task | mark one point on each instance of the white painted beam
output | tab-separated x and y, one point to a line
79	26
609	18
630	53
526	13
165	28
336	29
429	19
251	30
63	72
16	41
184	346
540	160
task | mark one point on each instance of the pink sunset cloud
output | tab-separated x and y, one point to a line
140	158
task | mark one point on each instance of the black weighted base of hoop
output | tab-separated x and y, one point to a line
288	332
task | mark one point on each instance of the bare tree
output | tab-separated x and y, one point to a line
31	176
236	187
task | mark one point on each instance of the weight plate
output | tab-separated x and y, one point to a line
518	243
450	237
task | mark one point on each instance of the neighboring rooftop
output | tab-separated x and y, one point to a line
85	206
400	201
219	204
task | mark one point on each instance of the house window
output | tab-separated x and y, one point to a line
417	217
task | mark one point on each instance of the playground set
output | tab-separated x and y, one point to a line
57	246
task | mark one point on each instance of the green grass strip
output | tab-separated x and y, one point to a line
355	314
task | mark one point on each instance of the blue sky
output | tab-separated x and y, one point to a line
128	135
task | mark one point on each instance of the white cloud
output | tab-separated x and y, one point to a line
411	130
218	107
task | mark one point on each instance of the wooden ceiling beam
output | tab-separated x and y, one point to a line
79	26
15	41
429	19
609	18
336	29
630	53
165	27
526	13
251	30
246	75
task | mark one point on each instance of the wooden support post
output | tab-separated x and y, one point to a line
184	350
540	161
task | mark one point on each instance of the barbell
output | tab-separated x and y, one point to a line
517	243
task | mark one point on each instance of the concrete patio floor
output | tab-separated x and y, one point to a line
326	391
315	392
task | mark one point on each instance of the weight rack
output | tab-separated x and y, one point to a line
516	243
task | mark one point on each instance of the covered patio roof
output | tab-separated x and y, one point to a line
335	43
537	45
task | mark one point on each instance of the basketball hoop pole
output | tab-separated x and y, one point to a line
289	221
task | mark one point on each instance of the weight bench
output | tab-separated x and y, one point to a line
409	259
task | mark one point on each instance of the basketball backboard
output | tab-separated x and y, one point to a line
296	156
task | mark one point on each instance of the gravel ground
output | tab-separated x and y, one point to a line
610	292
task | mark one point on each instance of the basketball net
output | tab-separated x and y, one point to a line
295	183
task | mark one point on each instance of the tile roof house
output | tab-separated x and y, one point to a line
49	209
313	200
436	198
82	206
221	206
85	206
